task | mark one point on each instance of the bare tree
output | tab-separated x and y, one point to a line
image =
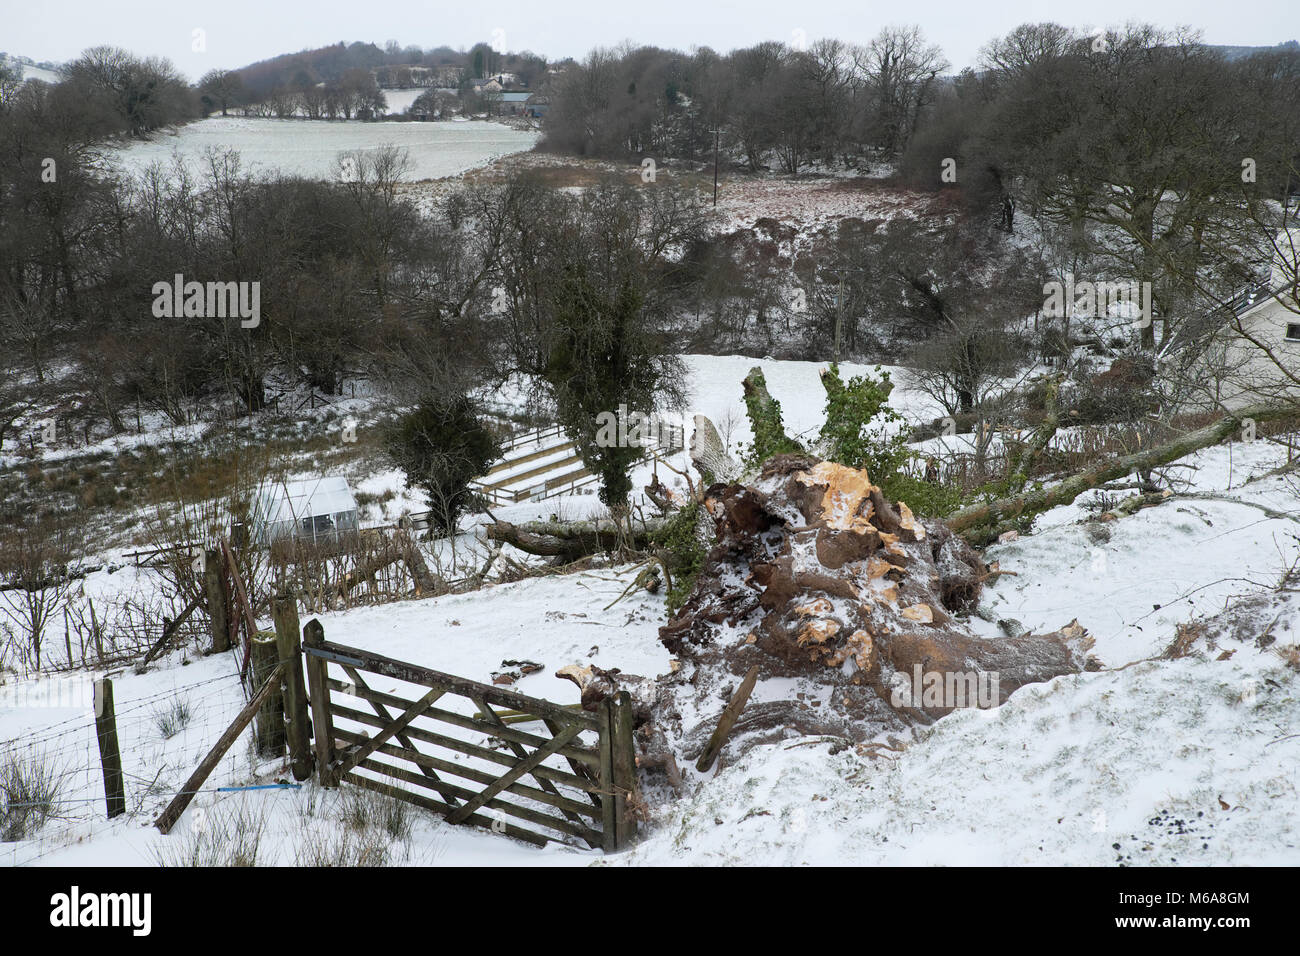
902	71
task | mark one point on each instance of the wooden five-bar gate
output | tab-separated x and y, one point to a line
476	753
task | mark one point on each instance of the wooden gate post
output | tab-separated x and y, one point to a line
110	754
313	635
624	767
298	730
214	588
270	716
608	816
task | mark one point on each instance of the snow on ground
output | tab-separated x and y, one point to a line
36	73
1130	582
1183	761
814	204
309	147
1123	767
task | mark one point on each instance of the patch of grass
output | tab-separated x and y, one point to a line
366	810
217	836
369	829
345	849
173	717
926	499
29	791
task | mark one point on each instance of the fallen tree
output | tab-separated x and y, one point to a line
983	522
850	608
571	540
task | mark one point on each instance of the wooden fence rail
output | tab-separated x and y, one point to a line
565	774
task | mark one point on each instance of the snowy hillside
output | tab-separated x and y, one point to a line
1146	761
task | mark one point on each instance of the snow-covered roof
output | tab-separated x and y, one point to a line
278	501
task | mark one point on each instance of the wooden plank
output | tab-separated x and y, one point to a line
498	826
269	730
170	629
214	589
415	674
313	634
241	598
284	609
567	733
609	824
727	721
551	822
473	750
173	811
576	752
237	581
513	774
578	767
423	760
382	712
352	757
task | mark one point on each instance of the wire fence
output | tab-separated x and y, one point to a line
51	775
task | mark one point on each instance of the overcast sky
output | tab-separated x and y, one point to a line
238	32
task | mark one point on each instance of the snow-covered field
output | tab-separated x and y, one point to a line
399	101
1195	760
310	147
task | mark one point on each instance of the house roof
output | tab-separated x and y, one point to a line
277	501
515	97
1199	328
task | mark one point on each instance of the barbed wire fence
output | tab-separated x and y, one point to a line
52	792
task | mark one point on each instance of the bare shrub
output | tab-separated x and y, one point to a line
36	576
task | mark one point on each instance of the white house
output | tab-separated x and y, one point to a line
1253	354
316	510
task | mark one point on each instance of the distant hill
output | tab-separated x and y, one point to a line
1240	52
330	63
33	70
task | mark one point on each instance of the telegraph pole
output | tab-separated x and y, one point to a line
839	318
717	135
841	272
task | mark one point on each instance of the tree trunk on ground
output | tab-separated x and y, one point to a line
571	540
982	523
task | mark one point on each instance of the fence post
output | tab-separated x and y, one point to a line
609	820
218	610
298	731
624	767
270	716
313	635
110	754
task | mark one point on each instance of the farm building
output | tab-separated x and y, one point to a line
313	510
